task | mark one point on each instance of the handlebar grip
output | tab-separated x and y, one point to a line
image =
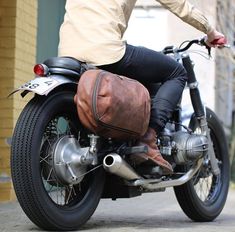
220	41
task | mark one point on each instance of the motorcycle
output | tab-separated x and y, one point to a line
60	170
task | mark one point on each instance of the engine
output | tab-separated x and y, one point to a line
184	146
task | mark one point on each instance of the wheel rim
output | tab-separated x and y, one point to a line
60	194
208	186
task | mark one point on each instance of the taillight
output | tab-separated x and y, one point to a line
41	70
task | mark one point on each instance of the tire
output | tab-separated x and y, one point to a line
35	183
206	208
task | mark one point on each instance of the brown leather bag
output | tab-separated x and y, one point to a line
111	105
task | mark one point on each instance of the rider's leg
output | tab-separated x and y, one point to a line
148	66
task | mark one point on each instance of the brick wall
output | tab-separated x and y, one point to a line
18	26
25	52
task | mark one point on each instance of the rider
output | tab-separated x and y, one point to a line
92	32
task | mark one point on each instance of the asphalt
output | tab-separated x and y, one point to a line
149	212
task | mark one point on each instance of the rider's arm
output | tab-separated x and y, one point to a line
188	13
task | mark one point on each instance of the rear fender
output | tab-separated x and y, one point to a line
44	85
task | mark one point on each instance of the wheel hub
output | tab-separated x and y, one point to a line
68	158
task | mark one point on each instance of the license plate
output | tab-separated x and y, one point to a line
40	85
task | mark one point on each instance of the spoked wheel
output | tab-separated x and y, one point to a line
204	196
206	184
60	191
54	194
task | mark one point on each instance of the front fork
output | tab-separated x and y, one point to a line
199	110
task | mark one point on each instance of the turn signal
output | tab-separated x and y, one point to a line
41	70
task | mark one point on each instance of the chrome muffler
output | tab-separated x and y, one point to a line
114	163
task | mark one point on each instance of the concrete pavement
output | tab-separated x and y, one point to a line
150	212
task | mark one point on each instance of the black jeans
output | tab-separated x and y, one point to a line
148	67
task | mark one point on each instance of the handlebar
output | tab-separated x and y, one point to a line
222	42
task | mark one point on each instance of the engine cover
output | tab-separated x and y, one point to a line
189	147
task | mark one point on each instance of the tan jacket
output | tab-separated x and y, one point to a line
93	30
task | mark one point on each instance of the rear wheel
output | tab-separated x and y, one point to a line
204	196
46	200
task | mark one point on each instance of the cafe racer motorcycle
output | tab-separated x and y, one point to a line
60	170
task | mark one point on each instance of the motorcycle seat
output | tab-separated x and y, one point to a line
64	65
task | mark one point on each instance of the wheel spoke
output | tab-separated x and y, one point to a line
74	192
208	187
48	178
203	183
61	194
69	194
195	179
49	142
44	159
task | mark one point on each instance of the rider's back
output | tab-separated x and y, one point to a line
97	26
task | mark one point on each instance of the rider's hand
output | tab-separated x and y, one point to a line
215	38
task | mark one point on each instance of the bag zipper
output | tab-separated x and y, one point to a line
95	114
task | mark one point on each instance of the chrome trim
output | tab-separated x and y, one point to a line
158	183
114	163
193	85
69	160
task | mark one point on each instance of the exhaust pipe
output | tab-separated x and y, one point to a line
114	163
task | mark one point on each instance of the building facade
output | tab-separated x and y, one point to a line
18	30
29	34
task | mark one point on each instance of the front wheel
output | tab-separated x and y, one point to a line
203	197
48	202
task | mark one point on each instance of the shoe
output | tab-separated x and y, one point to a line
153	154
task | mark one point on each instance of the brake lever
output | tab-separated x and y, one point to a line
203	43
209	50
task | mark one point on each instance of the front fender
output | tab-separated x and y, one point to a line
44	85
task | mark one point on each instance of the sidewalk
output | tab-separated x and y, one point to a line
150	212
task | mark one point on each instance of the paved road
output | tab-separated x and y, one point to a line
150	212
